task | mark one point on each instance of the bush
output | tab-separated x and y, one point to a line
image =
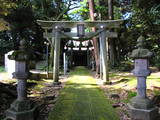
2	69
125	66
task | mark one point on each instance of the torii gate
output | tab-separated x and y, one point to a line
58	33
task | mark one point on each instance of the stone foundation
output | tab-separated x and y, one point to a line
23	115
21	110
142	114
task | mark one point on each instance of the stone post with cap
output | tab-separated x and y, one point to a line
140	106
21	108
56	56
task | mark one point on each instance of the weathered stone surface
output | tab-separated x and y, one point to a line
141	67
19	56
65	63
140	107
143	114
22	115
56	55
67	24
141	103
141	52
21	105
21	109
22	54
102	39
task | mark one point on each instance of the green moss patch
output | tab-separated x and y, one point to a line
82	99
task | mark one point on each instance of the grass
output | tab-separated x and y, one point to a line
37	85
126	82
82	99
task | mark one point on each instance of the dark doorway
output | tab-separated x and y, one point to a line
80	58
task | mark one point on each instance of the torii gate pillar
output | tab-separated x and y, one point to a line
56	56
102	39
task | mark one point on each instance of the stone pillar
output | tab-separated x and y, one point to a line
102	38
21	75
101	64
141	107
87	56
47	58
56	56
93	64
64	63
71	45
21	108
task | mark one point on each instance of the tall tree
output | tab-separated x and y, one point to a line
95	41
112	43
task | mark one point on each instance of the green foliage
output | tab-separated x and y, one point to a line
144	20
125	66
2	69
81	12
6	44
44	9
23	26
130	95
52	10
156	92
21	18
5	6
117	13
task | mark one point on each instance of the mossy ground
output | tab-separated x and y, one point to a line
125	80
82	99
124	84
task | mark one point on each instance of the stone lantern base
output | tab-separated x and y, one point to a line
21	110
143	114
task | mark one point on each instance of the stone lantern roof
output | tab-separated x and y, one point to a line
141	52
21	54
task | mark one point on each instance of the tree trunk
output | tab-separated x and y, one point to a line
112	41
95	41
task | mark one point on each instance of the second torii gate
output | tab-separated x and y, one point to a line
58	33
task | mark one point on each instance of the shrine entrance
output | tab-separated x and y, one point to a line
77	41
80	58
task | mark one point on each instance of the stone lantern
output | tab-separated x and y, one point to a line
21	108
141	107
